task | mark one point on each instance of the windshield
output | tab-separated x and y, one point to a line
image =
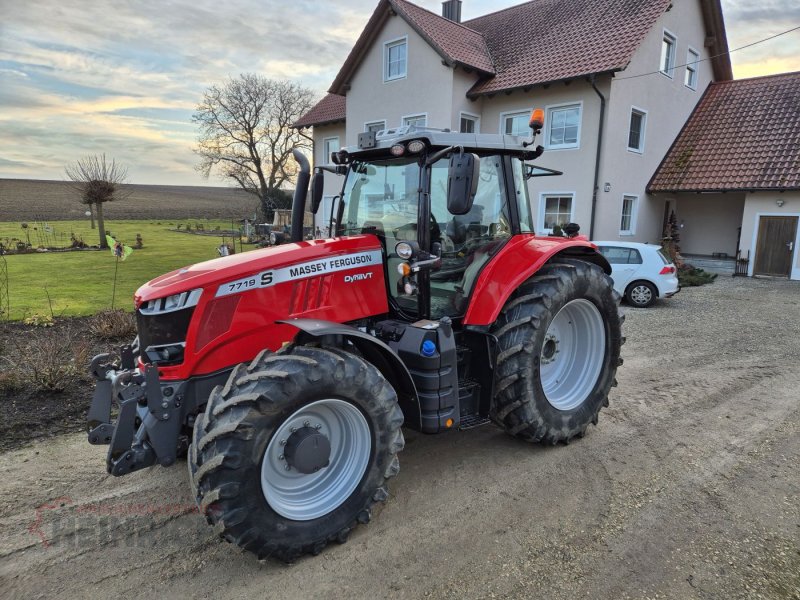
382	196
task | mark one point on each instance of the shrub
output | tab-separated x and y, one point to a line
113	324
691	277
45	362
38	320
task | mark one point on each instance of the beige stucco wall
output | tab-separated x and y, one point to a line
759	204
576	163
710	222
668	103
427	87
333	183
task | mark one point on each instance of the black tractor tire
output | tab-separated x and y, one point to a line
641	294
233	434
520	404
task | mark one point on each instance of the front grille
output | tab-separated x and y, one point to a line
162	337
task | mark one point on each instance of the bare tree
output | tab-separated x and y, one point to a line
98	181
246	134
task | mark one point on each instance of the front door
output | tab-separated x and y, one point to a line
775	246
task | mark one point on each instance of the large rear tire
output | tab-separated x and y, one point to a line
559	340
295	450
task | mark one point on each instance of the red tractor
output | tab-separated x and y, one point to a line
286	373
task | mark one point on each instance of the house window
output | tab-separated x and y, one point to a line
636	131
668	54
564	126
691	69
375	126
515	123
416	120
627	223
468	124
395	55
557	210
329	146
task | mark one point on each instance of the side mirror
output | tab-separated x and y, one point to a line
462	182
317	187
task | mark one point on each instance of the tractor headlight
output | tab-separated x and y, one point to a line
397	150
416	146
404	250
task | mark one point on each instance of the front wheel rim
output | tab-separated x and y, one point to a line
641	294
302	497
572	354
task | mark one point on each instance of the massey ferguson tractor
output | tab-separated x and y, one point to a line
286	373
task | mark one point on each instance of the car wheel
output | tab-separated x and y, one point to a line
641	294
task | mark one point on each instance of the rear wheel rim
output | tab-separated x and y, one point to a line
572	354
302	497
641	294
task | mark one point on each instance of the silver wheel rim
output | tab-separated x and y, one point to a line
302	497
572	354
641	294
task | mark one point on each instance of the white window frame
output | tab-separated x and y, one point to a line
548	120
691	68
414	116
670	72
382	123
643	113
326	155
511	113
386	46
473	117
540	228
634	214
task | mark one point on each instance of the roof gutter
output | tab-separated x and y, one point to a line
596	187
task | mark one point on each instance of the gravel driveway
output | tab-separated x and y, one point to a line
688	488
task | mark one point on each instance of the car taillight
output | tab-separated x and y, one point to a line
667	270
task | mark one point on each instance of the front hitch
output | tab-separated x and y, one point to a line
148	425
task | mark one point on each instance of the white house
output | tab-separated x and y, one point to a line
733	174
617	79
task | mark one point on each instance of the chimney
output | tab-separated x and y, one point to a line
452	10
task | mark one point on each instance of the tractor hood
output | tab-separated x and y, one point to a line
211	274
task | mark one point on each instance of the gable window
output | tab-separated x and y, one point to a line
668	54
329	146
563	126
636	131
468	123
515	123
416	120
627	224
395	59
375	126
691	69
556	210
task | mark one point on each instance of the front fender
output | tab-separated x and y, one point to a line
374	351
516	262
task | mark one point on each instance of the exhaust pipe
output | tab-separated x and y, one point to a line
300	194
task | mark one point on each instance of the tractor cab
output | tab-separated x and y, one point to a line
442	205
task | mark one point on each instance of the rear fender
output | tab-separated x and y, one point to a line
516	262
374	351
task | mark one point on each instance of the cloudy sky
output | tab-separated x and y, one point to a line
81	77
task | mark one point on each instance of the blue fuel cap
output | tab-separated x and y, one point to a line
428	348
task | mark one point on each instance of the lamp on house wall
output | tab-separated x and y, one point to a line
607	187
779	203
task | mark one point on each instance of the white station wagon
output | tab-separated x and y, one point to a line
641	272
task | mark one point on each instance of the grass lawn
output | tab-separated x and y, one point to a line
80	283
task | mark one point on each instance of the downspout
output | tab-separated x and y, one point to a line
597	154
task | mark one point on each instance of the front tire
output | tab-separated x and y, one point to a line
559	340
295	450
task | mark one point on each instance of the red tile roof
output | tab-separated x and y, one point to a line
553	40
537	42
331	109
743	135
456	43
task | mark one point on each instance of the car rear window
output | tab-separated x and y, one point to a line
621	256
663	256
